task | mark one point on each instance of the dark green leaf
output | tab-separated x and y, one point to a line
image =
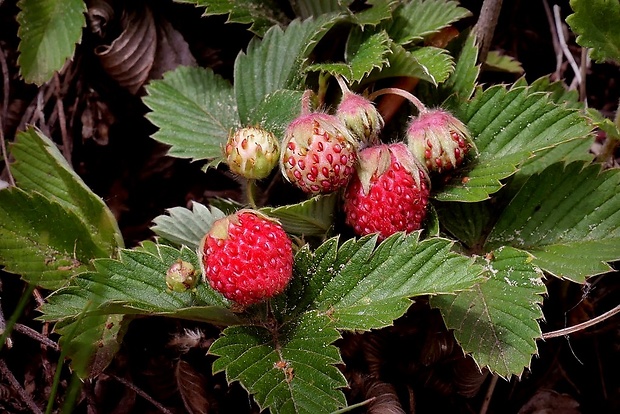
497	320
288	370
313	217
194	109
596	24
277	111
49	31
567	217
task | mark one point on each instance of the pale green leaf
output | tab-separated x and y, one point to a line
430	64
186	227
312	8
275	62
260	14
420	18
333	68
289	369
496	62
596	24
379	11
43	241
312	217
568	218
276	111
40	167
497	321
194	109
49	31
508	128
363	286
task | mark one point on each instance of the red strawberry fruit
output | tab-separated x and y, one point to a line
247	257
388	194
318	153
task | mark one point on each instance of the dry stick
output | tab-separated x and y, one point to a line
142	394
6	372
554	37
585	63
62	120
5	111
9	341
28	331
560	29
489	394
485	26
583	325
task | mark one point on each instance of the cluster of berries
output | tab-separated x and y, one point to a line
248	257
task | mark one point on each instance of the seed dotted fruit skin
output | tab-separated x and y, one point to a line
247	257
318	153
252	152
389	193
438	139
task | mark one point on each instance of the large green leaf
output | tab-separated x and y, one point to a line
275	62
431	64
186	227
362	287
497	320
40	167
596	24
288	369
277	111
313	8
467	222
509	127
42	240
567	217
194	109
462	81
420	18
49	31
261	14
313	217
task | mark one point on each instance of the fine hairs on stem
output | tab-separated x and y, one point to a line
400	92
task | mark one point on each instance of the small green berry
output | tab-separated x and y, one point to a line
181	276
252	152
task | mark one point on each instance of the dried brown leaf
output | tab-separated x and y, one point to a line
192	387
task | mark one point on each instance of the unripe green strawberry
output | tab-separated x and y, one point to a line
388	194
252	152
360	116
247	257
181	276
438	139
318	153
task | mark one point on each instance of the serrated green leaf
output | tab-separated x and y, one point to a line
43	241
465	221
362	287
366	51
261	14
508	127
496	322
431	64
497	62
334	68
312	8
596	24
275	62
277	111
379	11
288	370
186	227
40	167
462	81
194	109
135	284
420	18
568	218
49	31
312	217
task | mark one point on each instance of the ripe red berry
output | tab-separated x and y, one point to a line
318	153
438	139
247	257
388	194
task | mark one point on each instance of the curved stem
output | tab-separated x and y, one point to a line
250	189
343	86
582	326
305	102
396	91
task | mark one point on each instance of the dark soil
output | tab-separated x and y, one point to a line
415	364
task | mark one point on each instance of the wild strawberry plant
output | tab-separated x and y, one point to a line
512	197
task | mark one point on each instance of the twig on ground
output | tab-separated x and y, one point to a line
67	145
582	326
5	110
28	331
560	31
554	38
142	394
489	394
6	372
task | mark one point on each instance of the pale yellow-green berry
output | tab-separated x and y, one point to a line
252	152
